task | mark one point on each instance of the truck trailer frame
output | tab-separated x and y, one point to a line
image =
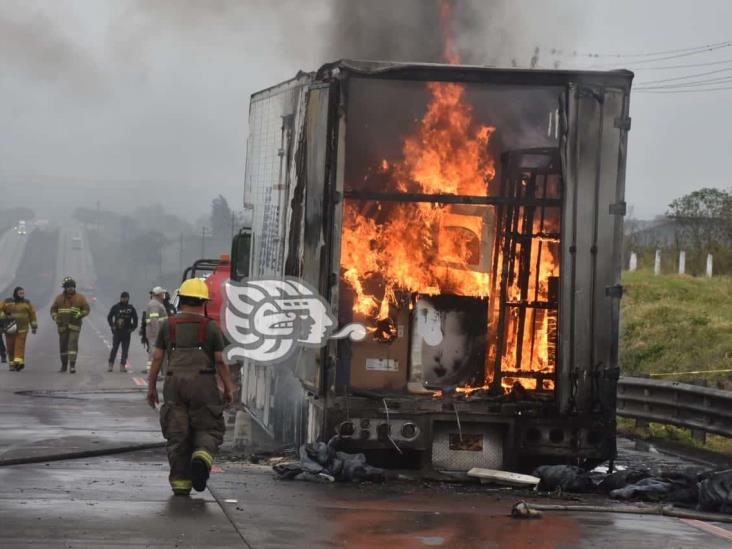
559	184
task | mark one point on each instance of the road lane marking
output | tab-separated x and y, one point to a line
139	381
709	528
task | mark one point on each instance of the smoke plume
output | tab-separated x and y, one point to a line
34	44
486	32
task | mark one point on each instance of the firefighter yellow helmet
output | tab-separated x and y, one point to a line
194	287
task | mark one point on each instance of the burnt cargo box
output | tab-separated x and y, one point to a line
503	188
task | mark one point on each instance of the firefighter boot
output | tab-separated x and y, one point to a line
72	368
201	462
181	487
110	367
122	367
19	366
3	358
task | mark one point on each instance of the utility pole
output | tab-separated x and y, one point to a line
203	242
160	257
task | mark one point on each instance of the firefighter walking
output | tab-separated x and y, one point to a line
191	417
155	313
122	319
20	315
67	311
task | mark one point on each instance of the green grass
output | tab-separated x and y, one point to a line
657	431
673	323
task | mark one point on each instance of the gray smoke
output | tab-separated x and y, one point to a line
408	30
32	43
487	32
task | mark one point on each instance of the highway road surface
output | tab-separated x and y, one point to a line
12	246
81	466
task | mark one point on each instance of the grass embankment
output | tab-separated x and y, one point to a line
676	324
673	324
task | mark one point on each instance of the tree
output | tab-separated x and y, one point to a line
703	217
703	224
221	216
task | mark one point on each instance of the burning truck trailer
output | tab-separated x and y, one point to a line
471	219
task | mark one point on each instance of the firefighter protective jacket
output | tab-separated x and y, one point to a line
67	311
122	317
156	313
21	311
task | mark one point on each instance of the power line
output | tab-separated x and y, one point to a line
684	66
688	76
669	92
676	56
705	47
694	84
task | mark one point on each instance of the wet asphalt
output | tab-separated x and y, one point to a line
122	500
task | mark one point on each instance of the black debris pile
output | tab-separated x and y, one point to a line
689	487
672	487
620	479
715	492
321	462
567	478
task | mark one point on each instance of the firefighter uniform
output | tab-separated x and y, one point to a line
24	314
154	315
67	311
191	417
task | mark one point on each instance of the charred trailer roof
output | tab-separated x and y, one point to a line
471	219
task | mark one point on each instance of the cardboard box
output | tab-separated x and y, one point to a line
382	366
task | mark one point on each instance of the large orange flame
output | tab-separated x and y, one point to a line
428	248
409	245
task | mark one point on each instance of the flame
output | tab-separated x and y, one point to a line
410	245
389	248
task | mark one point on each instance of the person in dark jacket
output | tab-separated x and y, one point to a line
3	350
122	320
143	329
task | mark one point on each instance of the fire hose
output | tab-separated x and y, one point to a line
523	509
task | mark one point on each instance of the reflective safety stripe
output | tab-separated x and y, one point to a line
205	456
18	361
181	485
71	353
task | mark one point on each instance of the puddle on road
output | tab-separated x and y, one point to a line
407	527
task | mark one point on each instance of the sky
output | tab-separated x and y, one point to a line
128	102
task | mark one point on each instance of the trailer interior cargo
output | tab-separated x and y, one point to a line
471	219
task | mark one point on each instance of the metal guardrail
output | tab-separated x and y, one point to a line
701	409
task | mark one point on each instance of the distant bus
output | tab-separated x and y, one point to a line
76	242
22	227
